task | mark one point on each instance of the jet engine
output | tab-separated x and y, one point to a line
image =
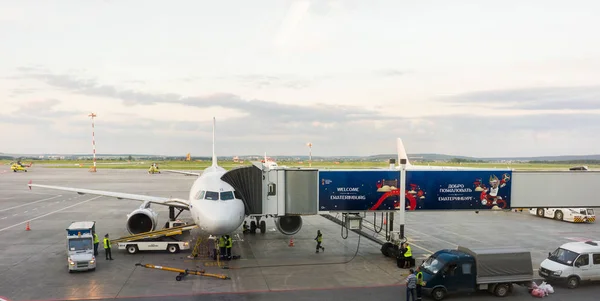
142	220
288	224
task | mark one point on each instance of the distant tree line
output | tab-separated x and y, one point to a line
567	162
462	160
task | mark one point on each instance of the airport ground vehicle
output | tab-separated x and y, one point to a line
572	263
468	270
153	169
164	239
574	215
80	246
16	167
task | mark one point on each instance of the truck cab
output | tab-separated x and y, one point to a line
572	263
448	271
80	246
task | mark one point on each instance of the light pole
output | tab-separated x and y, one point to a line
93	169
309	154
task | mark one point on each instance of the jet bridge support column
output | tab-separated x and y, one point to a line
402	211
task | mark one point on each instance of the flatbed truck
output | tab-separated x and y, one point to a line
161	240
468	270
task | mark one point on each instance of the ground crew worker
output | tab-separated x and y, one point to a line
222	244
228	245
107	248
407	256
96	242
420	283
319	240
245	227
411	285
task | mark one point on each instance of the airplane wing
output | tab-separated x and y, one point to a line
175	202
183	172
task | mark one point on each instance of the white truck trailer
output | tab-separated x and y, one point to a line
80	246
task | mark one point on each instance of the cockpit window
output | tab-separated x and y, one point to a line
212	195
200	195
227	195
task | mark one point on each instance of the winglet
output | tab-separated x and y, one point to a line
30	181
214	157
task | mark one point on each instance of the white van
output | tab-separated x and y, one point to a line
572	263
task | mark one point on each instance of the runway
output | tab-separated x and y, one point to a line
33	264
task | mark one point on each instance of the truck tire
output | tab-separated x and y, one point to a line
502	290
540	212
438	294
558	215
263	227
132	249
173	248
385	249
573	282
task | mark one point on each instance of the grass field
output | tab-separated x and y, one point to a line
199	165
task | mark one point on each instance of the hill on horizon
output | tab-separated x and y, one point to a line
380	157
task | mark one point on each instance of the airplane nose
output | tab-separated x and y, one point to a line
224	218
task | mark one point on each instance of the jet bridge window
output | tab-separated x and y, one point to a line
227	195
212	195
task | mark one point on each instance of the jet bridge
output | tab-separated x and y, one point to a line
280	192
289	193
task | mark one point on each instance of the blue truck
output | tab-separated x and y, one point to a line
467	270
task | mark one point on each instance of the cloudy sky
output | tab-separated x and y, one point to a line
475	78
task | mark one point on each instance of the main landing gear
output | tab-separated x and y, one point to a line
263	225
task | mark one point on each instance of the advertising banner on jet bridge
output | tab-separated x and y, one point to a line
461	189
359	190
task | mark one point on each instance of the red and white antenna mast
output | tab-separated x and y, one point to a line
93	168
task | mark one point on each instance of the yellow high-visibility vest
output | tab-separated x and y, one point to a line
96	240
106	243
408	252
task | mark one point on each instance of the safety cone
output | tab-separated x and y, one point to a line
291	242
27	227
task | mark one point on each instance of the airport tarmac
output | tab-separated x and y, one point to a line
33	263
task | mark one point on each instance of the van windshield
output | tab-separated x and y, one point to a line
433	265
80	244
590	211
563	256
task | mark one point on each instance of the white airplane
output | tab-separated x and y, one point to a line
212	202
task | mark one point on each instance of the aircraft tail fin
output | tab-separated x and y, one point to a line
214	156
402	152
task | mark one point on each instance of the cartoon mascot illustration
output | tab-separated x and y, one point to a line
489	196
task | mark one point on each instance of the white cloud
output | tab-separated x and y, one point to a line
349	75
